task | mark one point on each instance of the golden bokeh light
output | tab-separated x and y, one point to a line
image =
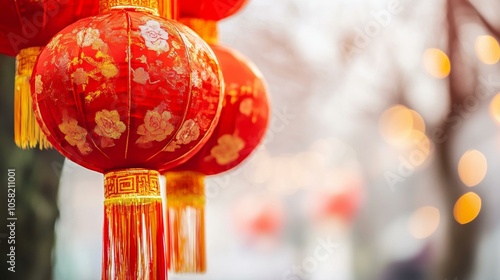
467	208
418	121
396	123
495	108
436	63
417	148
472	168
402	127
487	49
424	222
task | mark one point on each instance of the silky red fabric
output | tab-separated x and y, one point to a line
127	90
243	120
209	9
29	23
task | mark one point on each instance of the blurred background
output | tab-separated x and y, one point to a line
379	163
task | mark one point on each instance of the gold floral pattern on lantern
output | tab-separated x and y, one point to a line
156	126
109	124
195	79
108	69
80	76
109	127
75	135
38	84
154	36
141	76
190	131
87	36
54	42
171	147
246	106
228	149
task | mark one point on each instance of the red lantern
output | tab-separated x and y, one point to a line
209	9
259	219
128	93
340	203
27	26
242	125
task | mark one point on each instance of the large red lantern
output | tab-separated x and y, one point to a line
128	93
242	125
27	26
209	9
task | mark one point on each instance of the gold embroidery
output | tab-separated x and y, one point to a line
156	126
75	135
80	77
227	149
189	132
171	147
154	36
87	36
246	106
54	42
109	70
38	84
109	124
140	75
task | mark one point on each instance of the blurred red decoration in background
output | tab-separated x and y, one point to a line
342	203
29	23
258	218
128	93
209	9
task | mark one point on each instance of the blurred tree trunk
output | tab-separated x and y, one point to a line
37	178
463	240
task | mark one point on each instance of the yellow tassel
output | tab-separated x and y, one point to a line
133	237
27	132
186	222
165	9
207	29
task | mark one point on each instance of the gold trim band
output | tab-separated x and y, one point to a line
131	183
148	6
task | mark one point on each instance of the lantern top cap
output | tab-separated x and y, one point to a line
148	6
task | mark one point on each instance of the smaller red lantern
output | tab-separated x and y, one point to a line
241	127
209	9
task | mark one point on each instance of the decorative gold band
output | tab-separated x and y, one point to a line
207	29
25	60
134	183
148	6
